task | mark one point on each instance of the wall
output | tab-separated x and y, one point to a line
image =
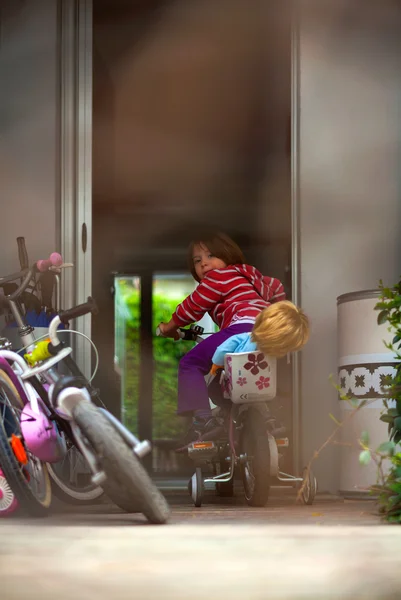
28	129
350	206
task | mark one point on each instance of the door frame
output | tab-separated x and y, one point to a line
76	33
295	226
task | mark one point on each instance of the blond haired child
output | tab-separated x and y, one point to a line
279	329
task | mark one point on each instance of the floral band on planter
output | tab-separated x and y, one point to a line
365	380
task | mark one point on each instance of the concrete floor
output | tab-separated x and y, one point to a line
333	549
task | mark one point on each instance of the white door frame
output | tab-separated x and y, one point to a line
76	161
295	226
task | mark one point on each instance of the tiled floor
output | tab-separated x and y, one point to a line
334	549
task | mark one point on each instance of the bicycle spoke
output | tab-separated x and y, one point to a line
9	414
11	417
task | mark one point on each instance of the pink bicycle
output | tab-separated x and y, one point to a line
44	412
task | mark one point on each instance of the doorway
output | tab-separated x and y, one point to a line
191	129
151	412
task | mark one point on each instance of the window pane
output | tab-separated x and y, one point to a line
127	352
168	291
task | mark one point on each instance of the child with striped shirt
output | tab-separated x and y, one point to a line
234	294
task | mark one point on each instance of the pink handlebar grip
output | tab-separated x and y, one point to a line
43	265
55	260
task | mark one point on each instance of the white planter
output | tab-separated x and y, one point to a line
363	362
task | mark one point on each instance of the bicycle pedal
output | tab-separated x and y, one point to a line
282	442
202	450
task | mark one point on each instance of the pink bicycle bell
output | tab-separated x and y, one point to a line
41	435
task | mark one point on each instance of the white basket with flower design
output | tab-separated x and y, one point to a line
249	377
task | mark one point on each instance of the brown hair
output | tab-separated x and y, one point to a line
281	328
221	246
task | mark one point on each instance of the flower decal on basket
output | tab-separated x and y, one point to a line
229	365
263	382
256	363
241	381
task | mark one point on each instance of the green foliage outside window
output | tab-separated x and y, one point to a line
166	356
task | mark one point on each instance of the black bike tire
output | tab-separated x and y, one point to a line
27	500
128	485
254	439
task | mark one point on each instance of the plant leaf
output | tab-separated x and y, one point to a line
382	317
365	457
387	448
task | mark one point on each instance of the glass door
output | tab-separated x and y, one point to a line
127	346
148	371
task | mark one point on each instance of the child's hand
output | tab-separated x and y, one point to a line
169	330
162	330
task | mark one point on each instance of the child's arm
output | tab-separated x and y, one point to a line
202	300
169	329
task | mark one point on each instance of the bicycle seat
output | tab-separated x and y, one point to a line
249	377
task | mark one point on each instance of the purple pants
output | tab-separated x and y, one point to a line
192	389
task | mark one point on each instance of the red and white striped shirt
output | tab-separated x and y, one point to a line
237	293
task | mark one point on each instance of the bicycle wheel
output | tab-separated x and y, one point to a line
8	502
309	486
71	479
196	487
256	452
29	482
128	485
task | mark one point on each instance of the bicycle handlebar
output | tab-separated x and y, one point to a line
55	261
192	334
27	274
22	253
87	307
188	334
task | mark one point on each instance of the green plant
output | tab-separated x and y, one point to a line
390	312
355	405
388	486
166	356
